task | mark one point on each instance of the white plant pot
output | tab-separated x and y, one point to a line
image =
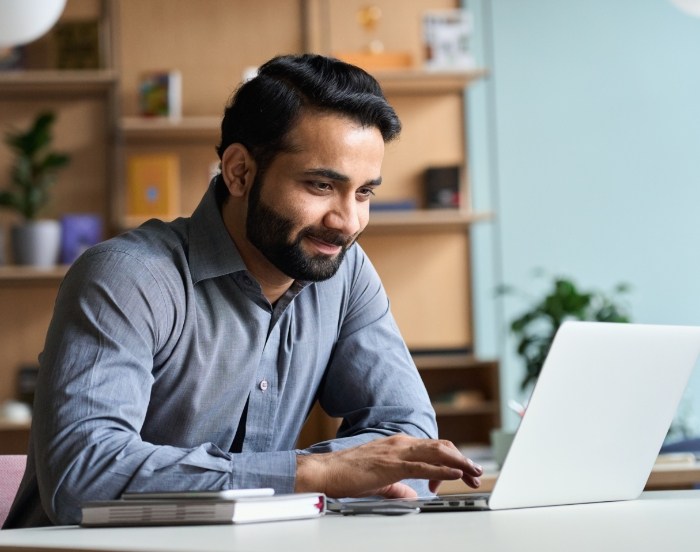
37	243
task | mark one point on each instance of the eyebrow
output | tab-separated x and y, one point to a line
338	177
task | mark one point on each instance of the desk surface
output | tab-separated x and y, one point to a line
659	520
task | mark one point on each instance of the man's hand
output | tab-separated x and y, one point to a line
376	468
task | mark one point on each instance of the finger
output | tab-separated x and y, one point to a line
471	481
442	453
474	469
467	465
397	490
434	485
421	470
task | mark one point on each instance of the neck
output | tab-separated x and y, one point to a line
272	282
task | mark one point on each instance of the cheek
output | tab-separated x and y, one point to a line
363	214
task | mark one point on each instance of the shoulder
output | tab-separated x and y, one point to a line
153	255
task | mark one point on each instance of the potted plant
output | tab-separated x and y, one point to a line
534	329
33	173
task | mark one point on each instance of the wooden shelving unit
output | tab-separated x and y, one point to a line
14	437
418	81
422	255
185	128
13	274
424	220
465	392
62	82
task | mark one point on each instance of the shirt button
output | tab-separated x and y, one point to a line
264	385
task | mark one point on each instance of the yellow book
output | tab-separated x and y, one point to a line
153	186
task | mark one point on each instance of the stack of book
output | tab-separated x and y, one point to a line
197	508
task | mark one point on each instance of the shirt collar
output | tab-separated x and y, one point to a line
212	252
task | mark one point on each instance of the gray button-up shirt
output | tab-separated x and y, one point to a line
159	339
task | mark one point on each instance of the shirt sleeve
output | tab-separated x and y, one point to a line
372	382
112	315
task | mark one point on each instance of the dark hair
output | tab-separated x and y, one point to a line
264	109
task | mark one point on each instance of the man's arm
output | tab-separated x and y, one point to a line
388	433
95	384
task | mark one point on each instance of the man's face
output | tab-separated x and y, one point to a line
312	203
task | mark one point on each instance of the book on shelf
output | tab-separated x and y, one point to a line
77	44
153	186
79	231
397	205
442	187
447	34
202	510
160	94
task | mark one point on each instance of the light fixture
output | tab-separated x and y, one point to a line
22	21
691	7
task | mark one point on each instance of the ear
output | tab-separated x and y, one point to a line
238	169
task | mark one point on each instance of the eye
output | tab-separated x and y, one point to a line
365	193
320	186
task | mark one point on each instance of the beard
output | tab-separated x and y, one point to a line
271	233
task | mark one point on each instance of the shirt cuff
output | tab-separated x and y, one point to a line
251	470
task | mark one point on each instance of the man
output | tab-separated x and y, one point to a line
187	355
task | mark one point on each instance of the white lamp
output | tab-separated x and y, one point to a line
22	21
691	7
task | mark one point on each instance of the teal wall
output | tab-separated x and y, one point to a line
585	142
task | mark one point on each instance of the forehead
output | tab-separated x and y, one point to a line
320	129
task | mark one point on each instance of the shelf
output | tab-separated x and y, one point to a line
46	81
418	81
7	425
487	407
185	128
425	220
457	361
413	81
381	222
19	274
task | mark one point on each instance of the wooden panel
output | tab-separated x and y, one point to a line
82	9
26	311
427	279
14	438
210	41
432	135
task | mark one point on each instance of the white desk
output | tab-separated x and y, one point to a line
659	521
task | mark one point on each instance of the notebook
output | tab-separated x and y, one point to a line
598	415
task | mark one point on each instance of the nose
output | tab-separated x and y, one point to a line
346	217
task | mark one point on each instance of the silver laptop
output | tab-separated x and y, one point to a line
594	425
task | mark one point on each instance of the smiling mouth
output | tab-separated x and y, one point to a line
324	247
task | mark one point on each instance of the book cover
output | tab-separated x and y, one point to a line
199	511
160	94
78	232
153	186
442	187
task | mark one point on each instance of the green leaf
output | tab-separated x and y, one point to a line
536	327
34	167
